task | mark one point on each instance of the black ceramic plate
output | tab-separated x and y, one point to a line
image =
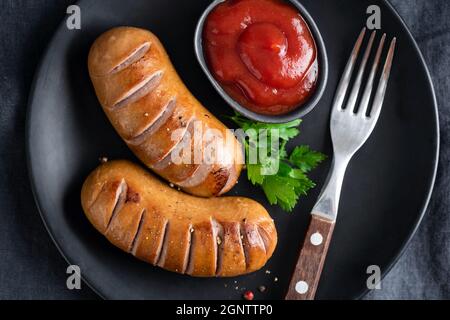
385	193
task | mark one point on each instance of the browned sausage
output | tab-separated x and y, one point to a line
223	237
153	111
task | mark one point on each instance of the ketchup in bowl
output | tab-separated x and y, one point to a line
262	53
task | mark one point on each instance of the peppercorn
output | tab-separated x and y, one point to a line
248	295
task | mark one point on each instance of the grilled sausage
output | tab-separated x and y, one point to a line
153	111
222	237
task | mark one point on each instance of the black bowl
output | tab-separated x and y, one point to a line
298	112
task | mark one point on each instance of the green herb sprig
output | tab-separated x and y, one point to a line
290	182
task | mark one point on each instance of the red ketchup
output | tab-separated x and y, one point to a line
262	53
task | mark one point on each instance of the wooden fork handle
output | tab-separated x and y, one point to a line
309	267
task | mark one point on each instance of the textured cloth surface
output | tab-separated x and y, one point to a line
30	265
423	272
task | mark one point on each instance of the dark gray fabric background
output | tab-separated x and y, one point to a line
30	265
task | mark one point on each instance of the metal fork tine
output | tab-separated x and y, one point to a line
368	90
357	85
381	91
346	76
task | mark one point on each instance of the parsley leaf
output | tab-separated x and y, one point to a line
254	173
282	191
289	182
306	159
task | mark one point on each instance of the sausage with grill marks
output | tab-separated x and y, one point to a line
223	237
153	111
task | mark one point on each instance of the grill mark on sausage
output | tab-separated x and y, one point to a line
220	179
260	239
203	168
133	247
219	242
198	177
190	264
159	145
164	140
140	90
250	238
187	261
230	181
163	164
265	238
119	201
241	236
184	142
135	56
168	111
151	122
163	247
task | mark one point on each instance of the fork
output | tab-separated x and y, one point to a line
350	128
